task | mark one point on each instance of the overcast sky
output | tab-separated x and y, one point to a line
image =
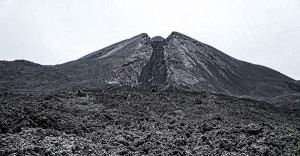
56	31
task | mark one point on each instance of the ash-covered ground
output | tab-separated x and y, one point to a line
144	121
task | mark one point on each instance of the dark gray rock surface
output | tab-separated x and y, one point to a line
155	71
120	63
144	121
201	67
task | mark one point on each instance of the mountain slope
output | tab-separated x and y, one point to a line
202	67
178	60
120	63
22	75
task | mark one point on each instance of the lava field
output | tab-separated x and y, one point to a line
123	120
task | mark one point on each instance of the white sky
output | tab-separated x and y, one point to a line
55	31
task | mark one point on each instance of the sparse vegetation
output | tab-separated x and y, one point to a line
295	151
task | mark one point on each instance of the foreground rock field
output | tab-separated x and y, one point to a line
144	121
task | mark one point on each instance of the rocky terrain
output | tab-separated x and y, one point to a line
144	121
148	96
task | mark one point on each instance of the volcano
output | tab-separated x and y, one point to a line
177	60
148	96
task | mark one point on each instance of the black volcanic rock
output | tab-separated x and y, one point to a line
155	71
108	122
157	38
178	60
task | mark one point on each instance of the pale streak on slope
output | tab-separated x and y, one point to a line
119	47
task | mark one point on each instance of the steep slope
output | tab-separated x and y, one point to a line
202	67
120	63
